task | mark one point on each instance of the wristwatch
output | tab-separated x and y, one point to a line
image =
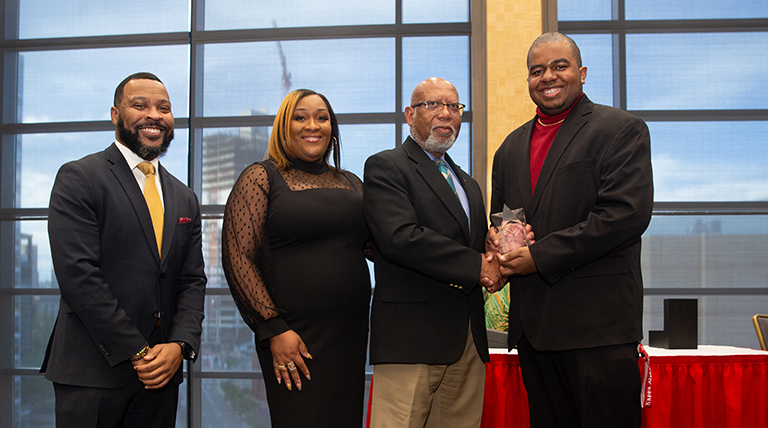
186	350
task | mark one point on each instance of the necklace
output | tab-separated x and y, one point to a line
550	124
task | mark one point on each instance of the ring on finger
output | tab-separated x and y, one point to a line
281	367
291	366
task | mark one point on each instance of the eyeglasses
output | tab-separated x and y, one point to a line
436	107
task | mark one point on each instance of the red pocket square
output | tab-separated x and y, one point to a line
183	220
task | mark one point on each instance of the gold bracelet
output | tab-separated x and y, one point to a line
141	354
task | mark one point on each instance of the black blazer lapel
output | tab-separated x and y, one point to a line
437	183
170	217
522	166
128	182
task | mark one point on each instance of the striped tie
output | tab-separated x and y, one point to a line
444	170
153	201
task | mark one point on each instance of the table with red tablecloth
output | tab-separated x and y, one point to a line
712	386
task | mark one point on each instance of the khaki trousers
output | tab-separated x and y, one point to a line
433	396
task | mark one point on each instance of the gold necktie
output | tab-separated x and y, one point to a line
153	201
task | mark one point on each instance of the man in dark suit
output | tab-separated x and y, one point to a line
127	252
428	337
582	172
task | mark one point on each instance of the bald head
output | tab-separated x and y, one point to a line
555	37
430	85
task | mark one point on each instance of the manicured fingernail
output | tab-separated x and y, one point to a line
288	385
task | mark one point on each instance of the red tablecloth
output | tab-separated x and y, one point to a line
721	387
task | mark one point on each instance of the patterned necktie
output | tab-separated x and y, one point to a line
153	201
444	170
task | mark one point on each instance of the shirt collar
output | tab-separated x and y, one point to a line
132	158
432	157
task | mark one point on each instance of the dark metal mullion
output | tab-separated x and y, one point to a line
665	26
702	115
476	56
398	117
619	40
706	291
710	208
194	173
8	160
95	42
233	36
341	32
620	50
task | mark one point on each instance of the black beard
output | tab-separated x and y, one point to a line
131	140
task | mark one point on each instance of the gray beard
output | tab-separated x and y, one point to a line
433	144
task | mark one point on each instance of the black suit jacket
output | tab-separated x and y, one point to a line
427	262
113	283
592	202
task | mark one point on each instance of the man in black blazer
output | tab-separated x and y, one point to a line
428	337
131	301
582	172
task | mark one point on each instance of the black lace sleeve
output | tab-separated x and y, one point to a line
245	250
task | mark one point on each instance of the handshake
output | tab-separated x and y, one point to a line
506	249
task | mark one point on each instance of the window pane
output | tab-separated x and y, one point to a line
227	343
664	74
596	55
33	257
435	11
706	252
584	10
79	85
445	57
241	14
43	154
723	320
695	9
35	317
709	161
212	254
700	252
234	403
33	404
247	78
62	18
358	142
226	153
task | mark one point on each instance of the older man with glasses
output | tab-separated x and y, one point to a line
428	338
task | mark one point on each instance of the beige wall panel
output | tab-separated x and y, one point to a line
511	27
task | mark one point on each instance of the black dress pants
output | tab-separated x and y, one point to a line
127	407
583	388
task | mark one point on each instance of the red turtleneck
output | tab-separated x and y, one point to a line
544	132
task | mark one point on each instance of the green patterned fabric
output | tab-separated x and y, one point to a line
497	309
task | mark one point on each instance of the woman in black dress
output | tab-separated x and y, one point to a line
292	251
